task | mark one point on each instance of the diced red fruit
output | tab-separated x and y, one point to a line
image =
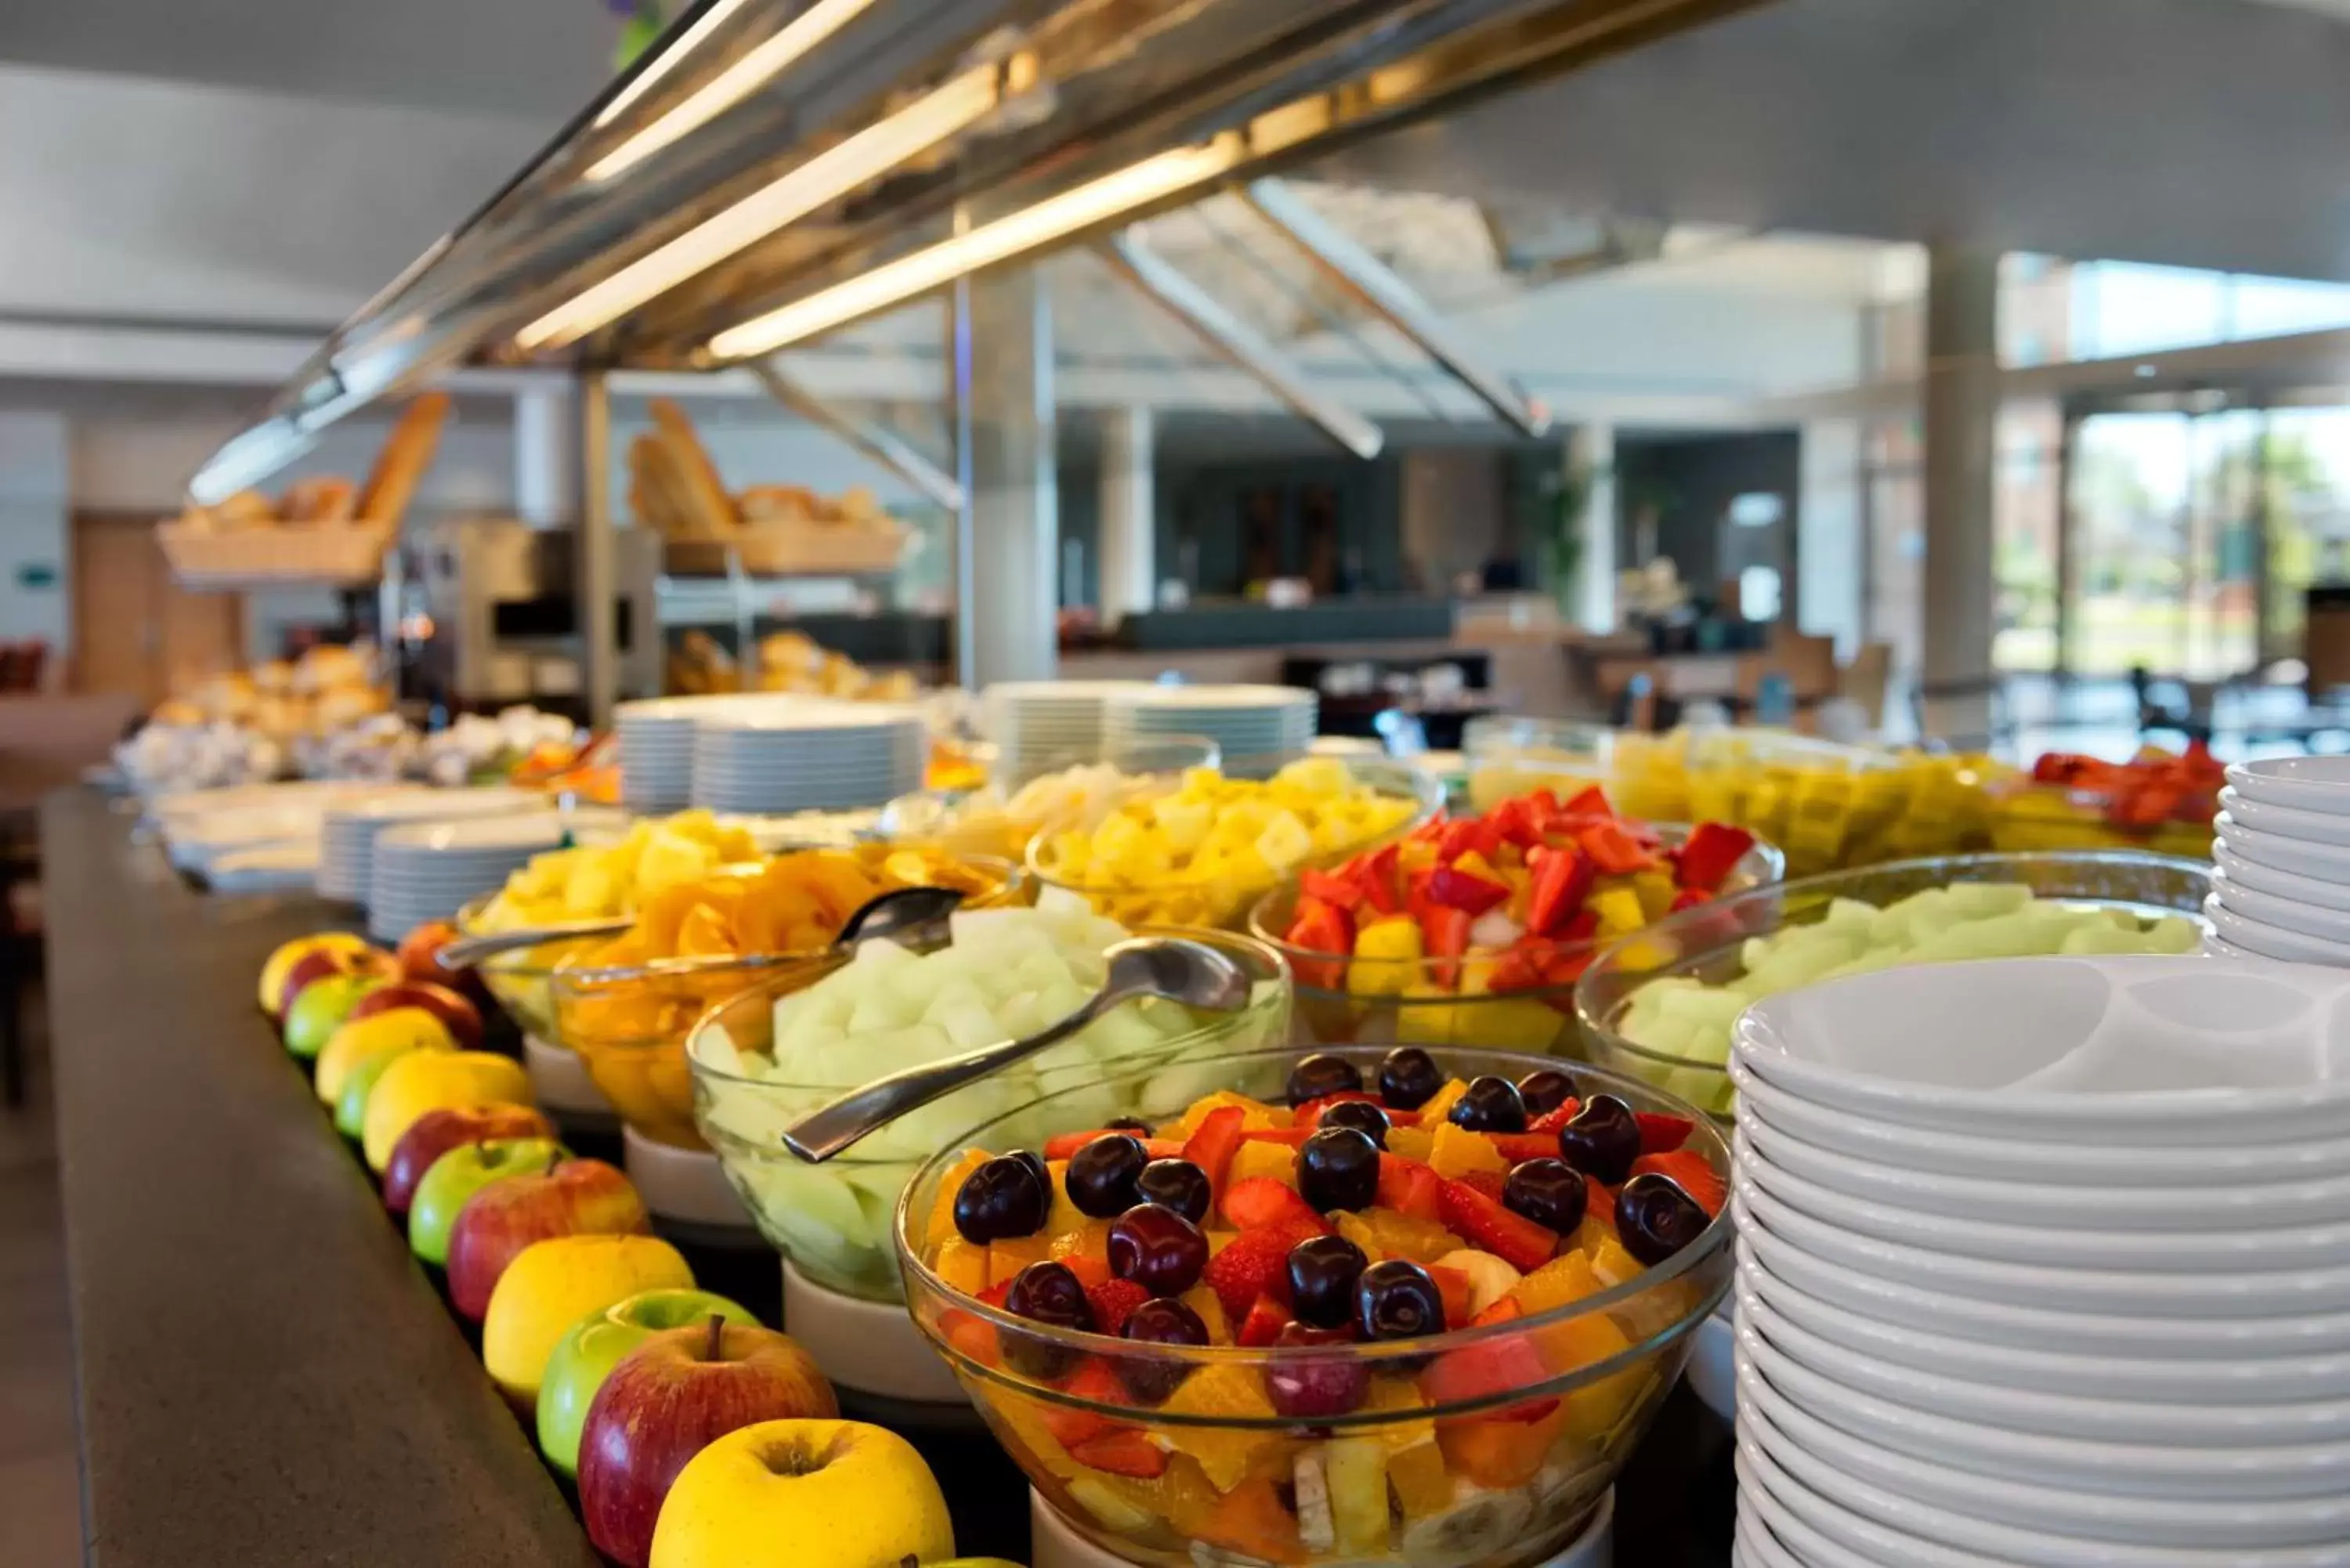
1519	1147
1382	885
1456	1290
1512	1237
1600	1201
1661	1133
996	1295
1457	889
1262	1203
1563	879
1264	1324
1688	1171
971	1337
1061	1146
1294	1137
1334	891
1557	1117
1612	850
1688	899
1488	1182
1114	1302
1467	835
1321	928
1256	1263
1501	1311
1710	854
1588	801
1583	928
1212	1144
1093	1381
1480	1371
1124	1451
1444	933
1409	1188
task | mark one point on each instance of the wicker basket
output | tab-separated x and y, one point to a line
338	555
793	550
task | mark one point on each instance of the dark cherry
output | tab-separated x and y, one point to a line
1315	1387
1320	1074
1338	1168
1050	1294
1397	1300
1602	1140
1362	1116
1409	1077
1157	1249
1176	1184
1004	1198
1490	1105
1544	1090
1134	1125
1550	1192
1656	1218
1100	1176
1035	1162
1148	1378
1322	1274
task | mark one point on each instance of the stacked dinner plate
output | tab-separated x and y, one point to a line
813	756
1040	725
348	832
1258	728
429	871
2046	1262
656	737
2280	882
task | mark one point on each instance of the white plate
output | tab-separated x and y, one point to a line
2273	942
2286	854
2312	827
2281	884
2302	918
2301	783
483	835
1828	1535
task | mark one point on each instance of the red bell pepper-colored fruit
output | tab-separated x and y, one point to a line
1512	1237
1711	853
1686	1169
1659	1132
1465	891
1482	1371
1213	1142
1267	1318
1613	850
1333	890
1263	1203
1409	1188
1320	928
1382	887
1123	1451
1444	935
1561	882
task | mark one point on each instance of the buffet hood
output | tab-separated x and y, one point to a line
772	170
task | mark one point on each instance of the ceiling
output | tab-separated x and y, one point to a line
539	58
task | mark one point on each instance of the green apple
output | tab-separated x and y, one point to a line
359	1082
595	1346
457	1175
319	1008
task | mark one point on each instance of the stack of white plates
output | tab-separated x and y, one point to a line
656	743
429	871
1040	725
2281	884
1258	728
811	757
2046	1262
348	833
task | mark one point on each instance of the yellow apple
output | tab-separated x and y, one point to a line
401	1029
552	1284
280	962
423	1081
802	1494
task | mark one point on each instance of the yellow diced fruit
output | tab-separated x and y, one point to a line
1402	1236
942	1223
1441	1105
1427	1014
1255	1113
1388	955
1224	1453
1398	1398
1411	1143
1619	912
1184	822
1285	842
1209	1307
1421	1483
1089	1239
1008	1257
1565	1279
962	1265
1610	1262
1065	1216
1263	1157
1458	1151
1656	892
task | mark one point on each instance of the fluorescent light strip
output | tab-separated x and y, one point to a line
839	169
1134	186
663	63
733	85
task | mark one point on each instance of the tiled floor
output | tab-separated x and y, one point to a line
40	1491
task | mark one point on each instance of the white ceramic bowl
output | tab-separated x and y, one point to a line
2216	1245
2291	821
2303	783
2194	1051
2319	891
2224	1294
2139	1519
2157	1163
2270	940
2002	1324
1773	1497
2168	1212
2303	919
2298	855
1754	1546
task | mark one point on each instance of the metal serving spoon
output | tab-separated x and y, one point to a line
891	914
1192	973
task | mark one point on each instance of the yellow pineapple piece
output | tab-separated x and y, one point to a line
1423	1486
1209	1307
1565	1279
1261	1157
1440	1106
1225	1454
1458	1151
961	1265
1397	1396
1089	1239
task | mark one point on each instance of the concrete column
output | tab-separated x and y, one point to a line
1961	407
546	465
596	567
1128	566
1830	554
1015	505
1591	453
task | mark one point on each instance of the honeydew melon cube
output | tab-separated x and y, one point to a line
1664	1035
1850	912
714	1047
880	1009
2086	940
1718	1007
1052	902
1974	900
2173	934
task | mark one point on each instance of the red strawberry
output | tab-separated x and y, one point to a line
1123	1451
1213	1143
1599	1202
1264	1324
1512	1237
1488	1182
1686	1169
1255	1264
1407	1187
1113	1300
1093	1381
1520	1147
996	1295
1060	1146
1262	1202
1557	1117
972	1339
1662	1134
1454	1287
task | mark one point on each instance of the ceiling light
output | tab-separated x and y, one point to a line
733	85
1136	186
830	174
661	65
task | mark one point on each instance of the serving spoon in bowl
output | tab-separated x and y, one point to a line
1173	967
897	913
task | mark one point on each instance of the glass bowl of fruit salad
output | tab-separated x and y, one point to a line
796	1042
1202	855
1661	1004
1005	815
1237	1330
1475	929
627	1004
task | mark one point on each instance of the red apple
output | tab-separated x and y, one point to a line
420	951
462	1019
665	1402
331	961
573	1197
435	1133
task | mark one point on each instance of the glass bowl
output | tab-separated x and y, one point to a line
630	1021
1483	1445
1220	898
1644	775
1706	943
833	1220
1006	816
1401	1000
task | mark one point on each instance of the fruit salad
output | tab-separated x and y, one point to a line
771	1056
1662	1005
1478	928
990	821
2158	800
1358	1307
1201	855
627	1003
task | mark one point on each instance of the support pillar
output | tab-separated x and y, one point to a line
1591	454
1015	503
597	565
1830	558
546	469
1128	567
1961	408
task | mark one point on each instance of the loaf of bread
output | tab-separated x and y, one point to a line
406	454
